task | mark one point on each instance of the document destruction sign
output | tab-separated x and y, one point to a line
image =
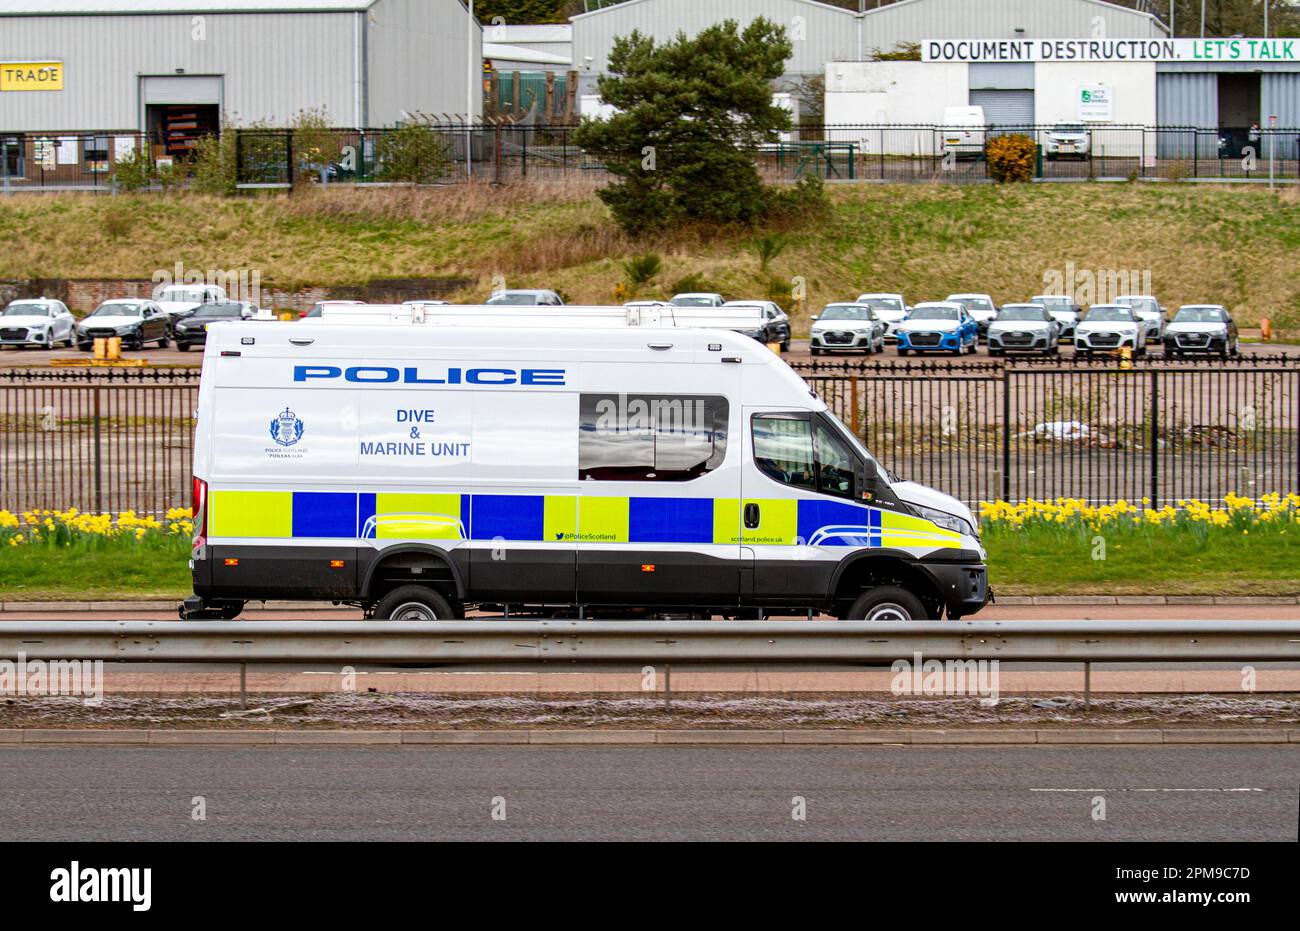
1035	50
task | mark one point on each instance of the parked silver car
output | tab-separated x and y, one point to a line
846	328
1063	310
1202	328
1024	328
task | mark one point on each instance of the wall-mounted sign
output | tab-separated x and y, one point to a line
1096	103
31	75
1203	50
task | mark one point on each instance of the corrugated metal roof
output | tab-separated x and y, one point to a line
100	7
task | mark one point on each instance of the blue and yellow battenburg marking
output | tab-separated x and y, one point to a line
564	519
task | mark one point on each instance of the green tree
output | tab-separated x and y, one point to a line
416	154
692	113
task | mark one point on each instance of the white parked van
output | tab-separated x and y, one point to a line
417	469
963	131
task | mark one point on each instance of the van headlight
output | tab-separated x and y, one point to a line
945	520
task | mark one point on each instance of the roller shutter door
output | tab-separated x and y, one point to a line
1005	109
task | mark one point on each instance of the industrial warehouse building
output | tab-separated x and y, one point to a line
823	33
189	65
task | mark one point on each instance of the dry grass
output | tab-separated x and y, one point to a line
1198	243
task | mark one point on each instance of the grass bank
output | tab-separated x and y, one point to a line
1198	242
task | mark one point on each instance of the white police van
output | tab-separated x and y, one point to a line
573	467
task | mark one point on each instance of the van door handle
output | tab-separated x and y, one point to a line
301	340
751	515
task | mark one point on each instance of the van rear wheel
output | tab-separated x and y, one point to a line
414	603
887	603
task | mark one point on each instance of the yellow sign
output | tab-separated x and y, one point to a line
31	76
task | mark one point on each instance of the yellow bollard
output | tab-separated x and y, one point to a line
1125	357
775	347
113	348
1265	329
100	347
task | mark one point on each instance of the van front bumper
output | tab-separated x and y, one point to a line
963	585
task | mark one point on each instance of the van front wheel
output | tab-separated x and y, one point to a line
888	603
414	603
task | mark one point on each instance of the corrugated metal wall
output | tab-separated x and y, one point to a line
829	33
1187	99
914	20
417	59
1280	97
274	64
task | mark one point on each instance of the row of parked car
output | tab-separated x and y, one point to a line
180	313
960	322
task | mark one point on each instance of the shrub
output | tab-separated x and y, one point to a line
415	153
641	269
1011	157
767	247
804	201
136	172
694	283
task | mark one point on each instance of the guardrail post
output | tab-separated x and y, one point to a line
243	685
668	686
1087	686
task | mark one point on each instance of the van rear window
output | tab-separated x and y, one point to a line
650	438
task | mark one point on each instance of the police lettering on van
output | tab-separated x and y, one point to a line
417	470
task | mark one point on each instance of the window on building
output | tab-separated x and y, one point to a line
96	149
650	438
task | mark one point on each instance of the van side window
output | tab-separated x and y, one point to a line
650	438
805	454
783	450
835	464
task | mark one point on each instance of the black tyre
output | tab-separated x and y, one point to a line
414	603
995	352
85	347
902	351
785	345
183	347
815	351
137	342
164	342
887	603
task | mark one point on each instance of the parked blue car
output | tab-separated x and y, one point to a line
937	326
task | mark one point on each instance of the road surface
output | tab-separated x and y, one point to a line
1194	793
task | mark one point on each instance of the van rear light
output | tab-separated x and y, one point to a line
199	508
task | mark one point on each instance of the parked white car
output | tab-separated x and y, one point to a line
178	299
697	299
39	322
1066	139
891	308
1149	311
1109	328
